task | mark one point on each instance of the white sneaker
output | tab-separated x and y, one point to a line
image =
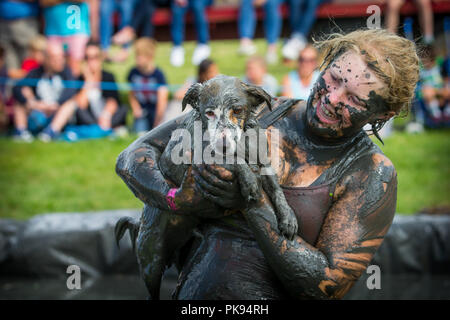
247	49
177	56
271	56
44	137
23	136
293	46
201	52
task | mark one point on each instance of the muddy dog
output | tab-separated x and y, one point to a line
226	108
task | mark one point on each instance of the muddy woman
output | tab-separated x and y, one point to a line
340	185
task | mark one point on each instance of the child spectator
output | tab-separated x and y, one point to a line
67	23
256	74
35	58
41	93
96	103
207	69
3	99
36	54
148	98
298	83
432	92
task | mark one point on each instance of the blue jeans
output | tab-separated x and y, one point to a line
272	21
107	9
302	15
145	123
201	22
143	14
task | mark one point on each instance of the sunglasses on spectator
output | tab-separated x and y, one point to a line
307	60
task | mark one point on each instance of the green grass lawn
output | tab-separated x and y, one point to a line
75	177
61	177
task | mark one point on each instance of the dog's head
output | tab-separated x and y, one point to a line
227	106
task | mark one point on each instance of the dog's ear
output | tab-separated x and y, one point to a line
191	97
259	94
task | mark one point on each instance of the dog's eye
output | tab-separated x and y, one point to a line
210	113
237	110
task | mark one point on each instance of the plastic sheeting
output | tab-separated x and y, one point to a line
414	259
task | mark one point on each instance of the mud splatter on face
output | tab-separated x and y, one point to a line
345	99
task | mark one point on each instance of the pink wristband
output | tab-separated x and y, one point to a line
170	198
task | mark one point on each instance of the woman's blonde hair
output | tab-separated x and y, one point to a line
145	46
393	59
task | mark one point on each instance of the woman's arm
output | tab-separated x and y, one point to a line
138	166
363	209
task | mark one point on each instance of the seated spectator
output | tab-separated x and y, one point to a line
18	25
142	21
68	26
302	15
41	94
36	53
425	12
272	25
179	10
207	69
433	95
96	103
107	10
148	98
298	83
35	58
256	74
4	119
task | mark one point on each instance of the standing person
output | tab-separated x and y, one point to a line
41	94
179	10
148	99
97	101
18	24
256	74
341	186
67	23
302	15
272	27
299	83
425	12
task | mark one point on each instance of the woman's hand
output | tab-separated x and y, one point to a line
188	199
218	185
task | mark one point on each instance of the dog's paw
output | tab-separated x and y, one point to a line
288	224
250	184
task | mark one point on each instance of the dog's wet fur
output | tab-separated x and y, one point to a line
226	107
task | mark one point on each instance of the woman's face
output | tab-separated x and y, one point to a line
346	96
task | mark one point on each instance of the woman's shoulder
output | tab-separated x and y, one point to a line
372	166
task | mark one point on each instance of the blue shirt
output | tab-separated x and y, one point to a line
11	10
67	19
